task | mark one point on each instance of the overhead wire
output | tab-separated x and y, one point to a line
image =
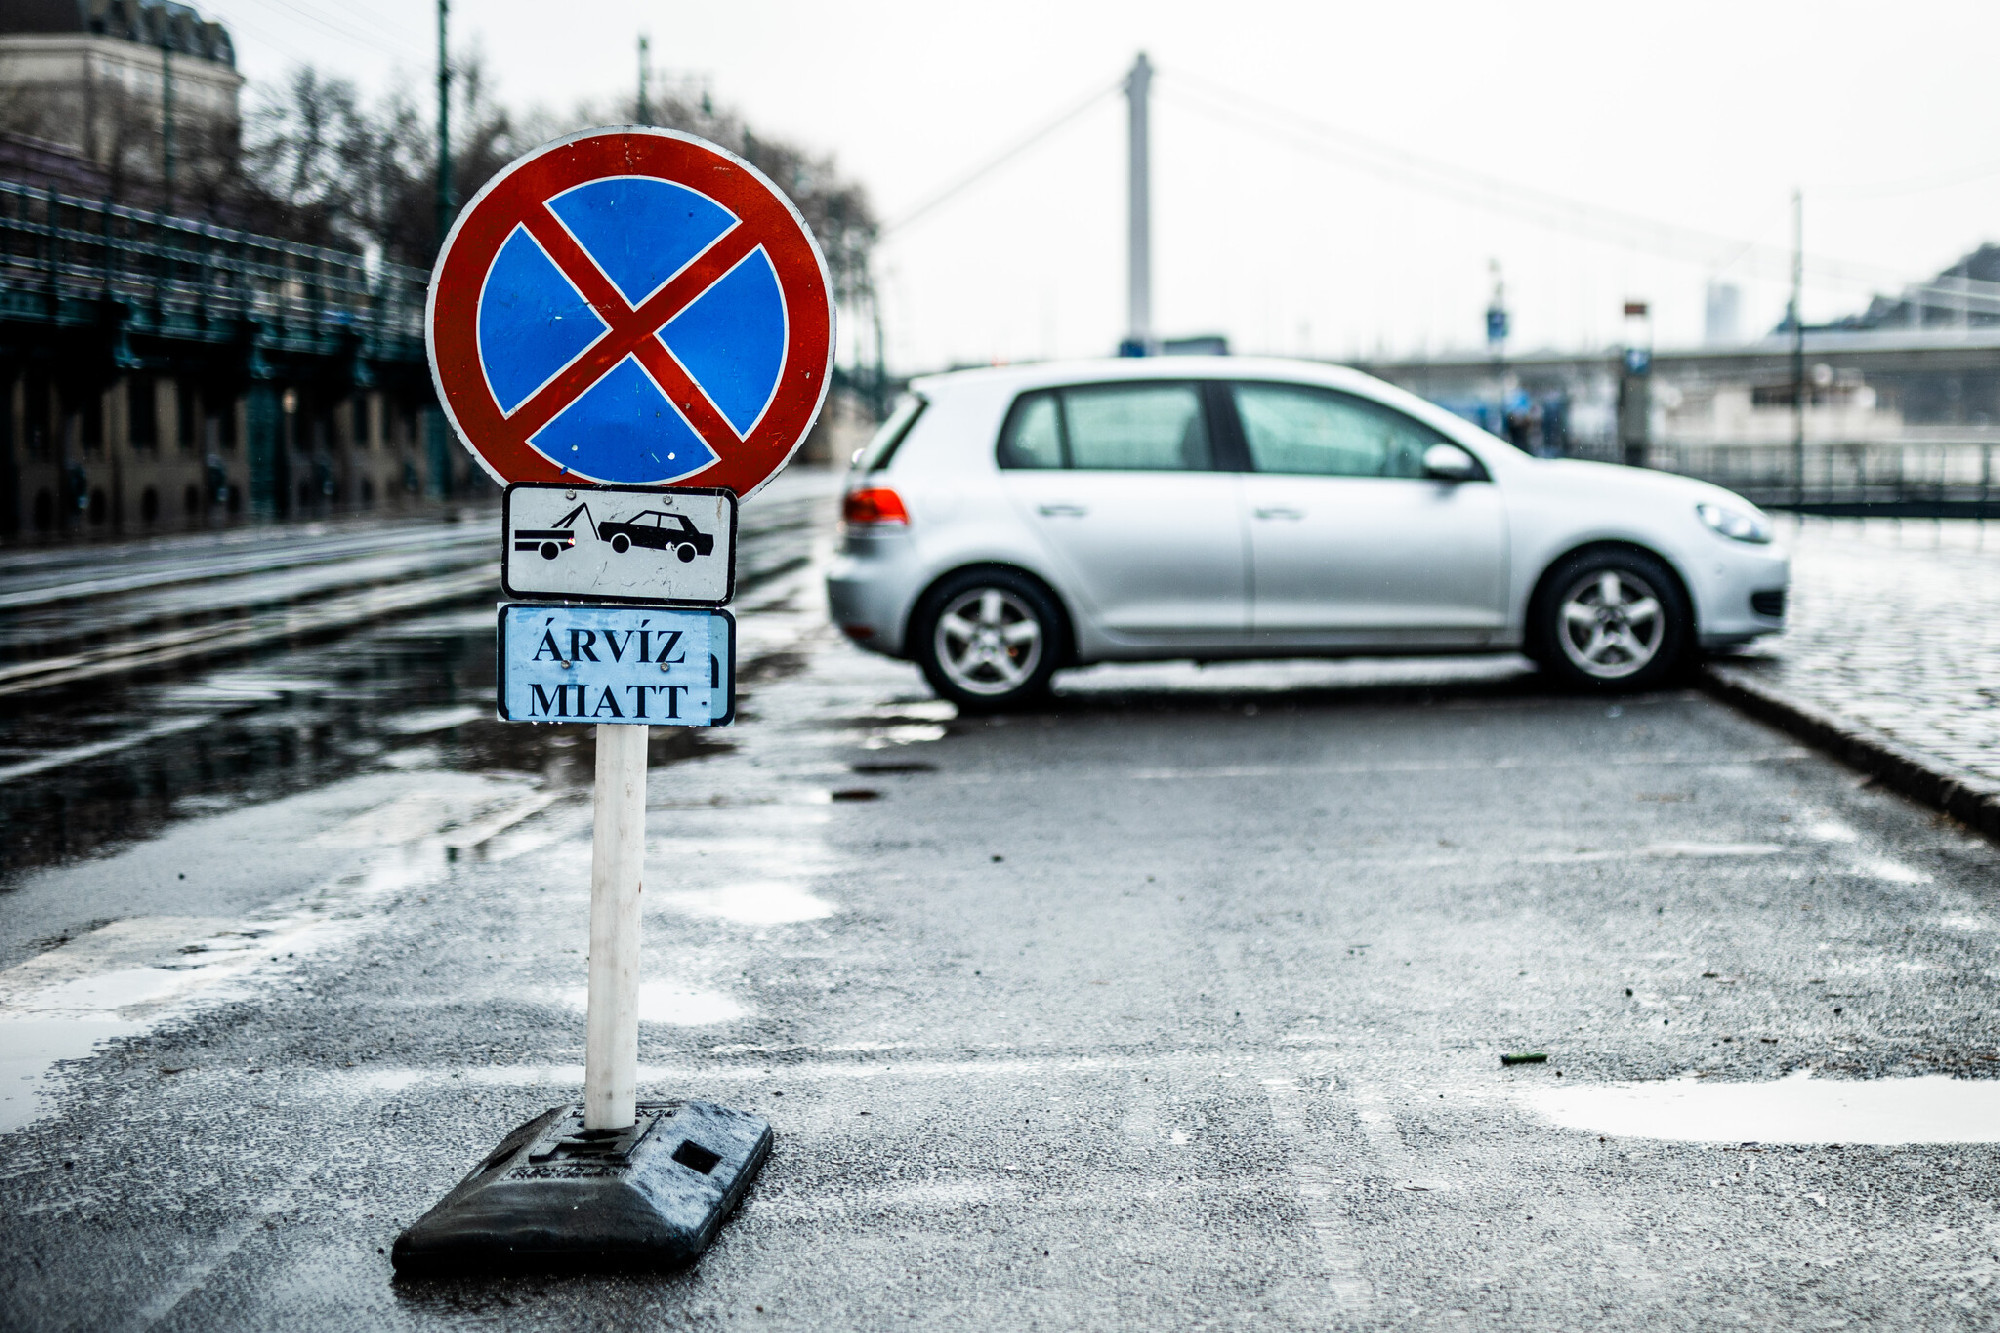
1496	194
379	39
237	23
999	160
1911	184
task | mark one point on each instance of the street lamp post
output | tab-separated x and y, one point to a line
447	205
1798	351
1139	237
645	105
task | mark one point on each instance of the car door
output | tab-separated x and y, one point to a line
1119	483
1349	542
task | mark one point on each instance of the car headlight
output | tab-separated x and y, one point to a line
1735	523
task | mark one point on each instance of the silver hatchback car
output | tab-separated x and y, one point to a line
1007	523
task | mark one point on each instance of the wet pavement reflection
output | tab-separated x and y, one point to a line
93	767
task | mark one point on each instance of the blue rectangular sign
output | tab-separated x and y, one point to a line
636	665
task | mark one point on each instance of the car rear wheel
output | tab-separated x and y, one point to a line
685	551
1611	620
988	639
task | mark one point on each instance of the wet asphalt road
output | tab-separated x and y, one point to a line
1177	1005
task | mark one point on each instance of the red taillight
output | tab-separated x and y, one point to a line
874	504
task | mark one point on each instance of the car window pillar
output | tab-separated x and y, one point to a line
1229	450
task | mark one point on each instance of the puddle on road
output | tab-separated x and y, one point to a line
124	979
917	710
295	717
129	977
423	721
908	733
668	1002
755	904
126	761
1225	679
1796	1109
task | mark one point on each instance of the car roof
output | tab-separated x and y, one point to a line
1009	380
1038	374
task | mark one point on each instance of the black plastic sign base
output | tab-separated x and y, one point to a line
555	1195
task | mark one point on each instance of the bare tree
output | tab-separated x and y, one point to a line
333	170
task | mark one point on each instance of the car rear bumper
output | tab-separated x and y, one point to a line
871	586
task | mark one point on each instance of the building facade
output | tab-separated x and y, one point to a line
160	371
144	91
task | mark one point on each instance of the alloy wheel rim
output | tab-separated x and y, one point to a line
1612	624
988	641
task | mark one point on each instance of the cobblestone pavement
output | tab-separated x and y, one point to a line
1895	624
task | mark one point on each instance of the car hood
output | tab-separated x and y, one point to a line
1579	477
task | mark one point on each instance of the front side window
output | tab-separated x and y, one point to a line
1299	429
1137	427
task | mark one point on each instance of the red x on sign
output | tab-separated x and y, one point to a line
632	306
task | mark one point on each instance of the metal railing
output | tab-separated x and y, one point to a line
61	257
1900	477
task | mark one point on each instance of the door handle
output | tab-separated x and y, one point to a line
1291	514
1063	511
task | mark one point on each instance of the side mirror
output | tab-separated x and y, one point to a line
1448	462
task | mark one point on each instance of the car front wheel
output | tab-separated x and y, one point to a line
1611	620
988	639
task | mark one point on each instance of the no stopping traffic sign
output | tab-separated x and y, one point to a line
631	306
619	313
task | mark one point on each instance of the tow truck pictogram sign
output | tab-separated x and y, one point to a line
631	544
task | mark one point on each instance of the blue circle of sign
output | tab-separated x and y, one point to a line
533	322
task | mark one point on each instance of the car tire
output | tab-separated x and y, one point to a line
685	551
1610	621
550	550
621	543
989	639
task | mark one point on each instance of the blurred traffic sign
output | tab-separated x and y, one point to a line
633	544
637	666
631	306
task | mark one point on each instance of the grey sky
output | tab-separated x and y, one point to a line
1700	115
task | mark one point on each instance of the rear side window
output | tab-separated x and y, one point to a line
1137	427
1310	431
875	455
1034	437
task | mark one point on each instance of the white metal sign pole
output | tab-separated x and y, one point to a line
617	856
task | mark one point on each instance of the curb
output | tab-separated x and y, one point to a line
1971	800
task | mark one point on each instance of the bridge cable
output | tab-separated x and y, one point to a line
1000	159
1544	207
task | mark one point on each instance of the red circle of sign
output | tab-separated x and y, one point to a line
519	195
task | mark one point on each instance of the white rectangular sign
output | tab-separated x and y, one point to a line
637	665
638	545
